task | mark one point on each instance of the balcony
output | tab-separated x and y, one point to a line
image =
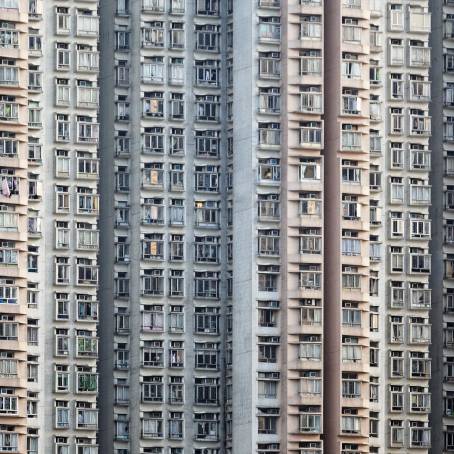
176	74
82	448
419	229
420	159
152	428
9	221
310	30
87	97
8	147
8	257
269	172
9	442
419	402
87	61
310	207
311	136
9	39
375	111
87	239
375	253
419	57
269	137
420	298
310	423
420	368
311	65
354	4
351	211
269	32
87	132
153	143
122	146
153	6
418	21
9	75
269	3
351	140
351	105
153	214
8	405
376	39
396	437
87	274
86	419
420	125
34	153
8	368
420	194
351	34
419	333
87	203
419	90
9	111
352	353
396	194
87	25
86	383
396	55
420	437
419	263
396	123
310	280
87	168
311	102
86	347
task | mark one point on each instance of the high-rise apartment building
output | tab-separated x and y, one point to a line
339	107
48	226
273	213
166	222
442	245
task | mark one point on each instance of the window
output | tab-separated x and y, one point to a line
175	424
176	283
176	319
310	276
207	7
153	389
268	278
153	354
206	355
268	385
207	37
176	390
153	318
268	419
153	282
152	425
268	312
206	391
206	320
310	419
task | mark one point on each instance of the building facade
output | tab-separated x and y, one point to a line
165	122
49	234
266	237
